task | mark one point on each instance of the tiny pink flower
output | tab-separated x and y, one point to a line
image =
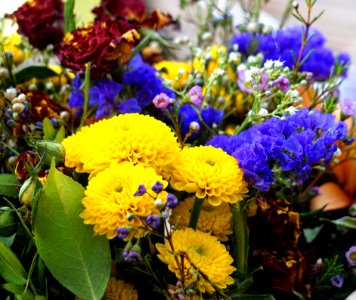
161	100
195	95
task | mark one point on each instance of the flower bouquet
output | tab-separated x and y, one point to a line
142	161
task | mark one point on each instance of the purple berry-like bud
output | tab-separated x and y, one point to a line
157	187
161	101
195	95
172	201
122	232
337	281
153	221
132	256
141	190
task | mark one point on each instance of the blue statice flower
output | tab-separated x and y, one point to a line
130	106
147	84
289	146
285	45
187	114
102	95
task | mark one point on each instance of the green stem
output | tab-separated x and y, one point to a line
194	216
240	238
86	94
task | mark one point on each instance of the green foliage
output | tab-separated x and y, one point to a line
39	72
77	259
69	18
9	185
346	222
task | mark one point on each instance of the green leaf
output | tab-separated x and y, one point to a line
60	134
347	222
10	267
9	185
69	18
18	291
8	240
48	130
311	233
79	260
39	72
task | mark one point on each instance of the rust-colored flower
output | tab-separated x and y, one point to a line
41	21
104	43
275	230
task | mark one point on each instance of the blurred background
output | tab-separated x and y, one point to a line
338	23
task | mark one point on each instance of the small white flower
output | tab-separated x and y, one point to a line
233	56
11	93
268	64
263	112
219	72
338	152
291	110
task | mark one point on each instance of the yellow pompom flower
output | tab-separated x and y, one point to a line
110	202
12	44
215	220
210	173
172	70
135	138
120	290
206	262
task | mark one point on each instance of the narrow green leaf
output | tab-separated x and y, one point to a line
39	72
69	18
48	130
347	222
60	134
18	291
8	240
9	185
79	260
10	267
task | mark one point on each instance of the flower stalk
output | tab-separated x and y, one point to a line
194	217
240	238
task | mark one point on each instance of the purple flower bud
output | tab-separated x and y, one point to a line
348	107
153	221
141	190
195	95
132	256
337	281
172	201
350	140
351	256
122	232
161	101
157	187
281	83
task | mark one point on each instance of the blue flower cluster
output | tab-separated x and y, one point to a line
285	45
291	145
188	113
142	77
101	95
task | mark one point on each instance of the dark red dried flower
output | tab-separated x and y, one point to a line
157	20
103	43
132	10
41	21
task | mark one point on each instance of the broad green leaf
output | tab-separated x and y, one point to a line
48	130
9	185
10	267
8	221
8	240
347	222
39	72
79	260
69	18
18	291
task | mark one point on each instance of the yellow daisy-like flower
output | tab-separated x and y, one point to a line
110	202
206	262
170	70
210	173
135	138
12	44
120	290
215	220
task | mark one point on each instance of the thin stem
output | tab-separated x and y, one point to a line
240	238
86	94
194	216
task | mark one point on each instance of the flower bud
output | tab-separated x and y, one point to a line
27	192
194	127
50	150
10	93
8	223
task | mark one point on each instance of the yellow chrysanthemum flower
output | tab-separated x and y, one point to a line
210	173
12	44
215	220
206	262
120	290
109	199
136	138
171	70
